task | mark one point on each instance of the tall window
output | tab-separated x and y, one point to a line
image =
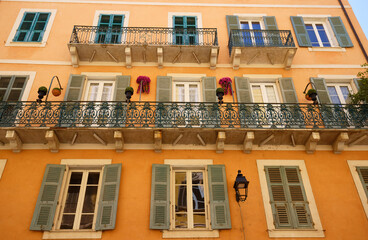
32	27
11	87
109	28
339	92
252	37
318	34
186	91
185	30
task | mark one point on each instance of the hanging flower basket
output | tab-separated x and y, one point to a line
56	92
144	84
311	95
225	83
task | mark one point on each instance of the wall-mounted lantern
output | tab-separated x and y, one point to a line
241	187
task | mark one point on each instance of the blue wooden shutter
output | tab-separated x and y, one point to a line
48	197
301	32
341	34
209	89
121	83
32	27
243	91
39	27
219	201
109	194
363	175
322	91
160	197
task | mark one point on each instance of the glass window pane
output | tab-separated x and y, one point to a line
67	222
197	177
199	220
14	95
118	20
39	26
271	94
29	17
257	94
333	95
181	221
191	21
180	94
26	26
19	82
106	92
72	199
180	178
35	37
179	21
93	178
180	198
244	25
76	178
345	91
86	222
2	94
43	17
4	82
323	35
105	19
312	35
198	199
193	93
256	26
92	92
90	199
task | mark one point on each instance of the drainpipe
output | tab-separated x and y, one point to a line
355	33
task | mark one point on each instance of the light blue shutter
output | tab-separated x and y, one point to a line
75	88
48	197
363	175
236	37
243	91
273	35
160	197
270	23
322	91
209	89
288	90
219	201
32	27
164	89
232	23
301	32
109	194
122	82
341	34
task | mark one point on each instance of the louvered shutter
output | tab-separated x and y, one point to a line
108	201
219	201
236	36
209	89
270	23
341	34
122	82
363	174
272	35
75	88
160	197
164	89
48	197
357	82
243	91
301	32
232	23
288	90
322	91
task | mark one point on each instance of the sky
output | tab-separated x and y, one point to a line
360	8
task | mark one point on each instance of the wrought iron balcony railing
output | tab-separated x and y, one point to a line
181	115
154	36
260	38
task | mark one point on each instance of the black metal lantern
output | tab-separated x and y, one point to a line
241	187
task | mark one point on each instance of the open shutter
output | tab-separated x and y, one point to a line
270	23
160	197
232	23
122	82
341	34
357	82
48	197
243	92
288	90
272	36
301	32
322	92
363	174
75	88
209	89
219	201
164	89
108	201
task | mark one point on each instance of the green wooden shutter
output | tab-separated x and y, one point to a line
243	91
75	88
357	82
341	34
322	91
232	23
122	82
288	90
363	174
301	32
164	89
209	89
219	201
270	23
108	201
48	197
160	197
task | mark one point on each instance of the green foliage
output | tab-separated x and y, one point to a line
42	89
361	97
129	89
311	91
220	90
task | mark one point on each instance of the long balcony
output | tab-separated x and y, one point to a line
274	47
185	123
130	45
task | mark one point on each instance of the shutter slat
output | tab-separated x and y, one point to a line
341	34
301	32
122	82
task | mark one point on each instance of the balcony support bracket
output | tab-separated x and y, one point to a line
52	141
339	144
157	136
248	142
119	141
74	55
358	140
236	59
270	58
213	61
266	140
220	142
311	144
160	57
289	58
92	56
196	58
128	57
14	140
112	56
254	57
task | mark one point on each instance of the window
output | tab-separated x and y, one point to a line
12	87
186	91
87	191
185	195
110	28
264	93
339	93
252	37
185	30
318	35
288	199
359	171
99	90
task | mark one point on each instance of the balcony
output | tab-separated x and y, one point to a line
184	123
144	45
274	47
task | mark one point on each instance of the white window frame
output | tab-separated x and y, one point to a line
81	164
98	76
2	166
314	23
263	90
100	88
189	233
353	164
187	89
18	20
272	231
27	88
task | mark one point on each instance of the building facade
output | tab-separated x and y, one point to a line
97	163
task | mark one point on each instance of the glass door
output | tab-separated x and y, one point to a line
109	29
252	38
185	30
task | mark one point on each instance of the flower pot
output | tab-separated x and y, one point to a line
313	96
308	97
220	96
56	92
128	95
41	94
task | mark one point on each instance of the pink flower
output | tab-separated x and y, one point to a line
144	83
225	83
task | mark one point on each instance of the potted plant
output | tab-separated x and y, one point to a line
225	83
311	95
56	92
220	94
129	93
42	91
144	84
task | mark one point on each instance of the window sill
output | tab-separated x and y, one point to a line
326	49
72	235
25	44
295	233
190	234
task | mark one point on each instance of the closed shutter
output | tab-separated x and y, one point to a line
322	91
288	90
48	197
122	82
160	197
243	91
32	27
108	201
164	89
301	32
341	34
363	174
209	89
357	82
75	88
219	201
